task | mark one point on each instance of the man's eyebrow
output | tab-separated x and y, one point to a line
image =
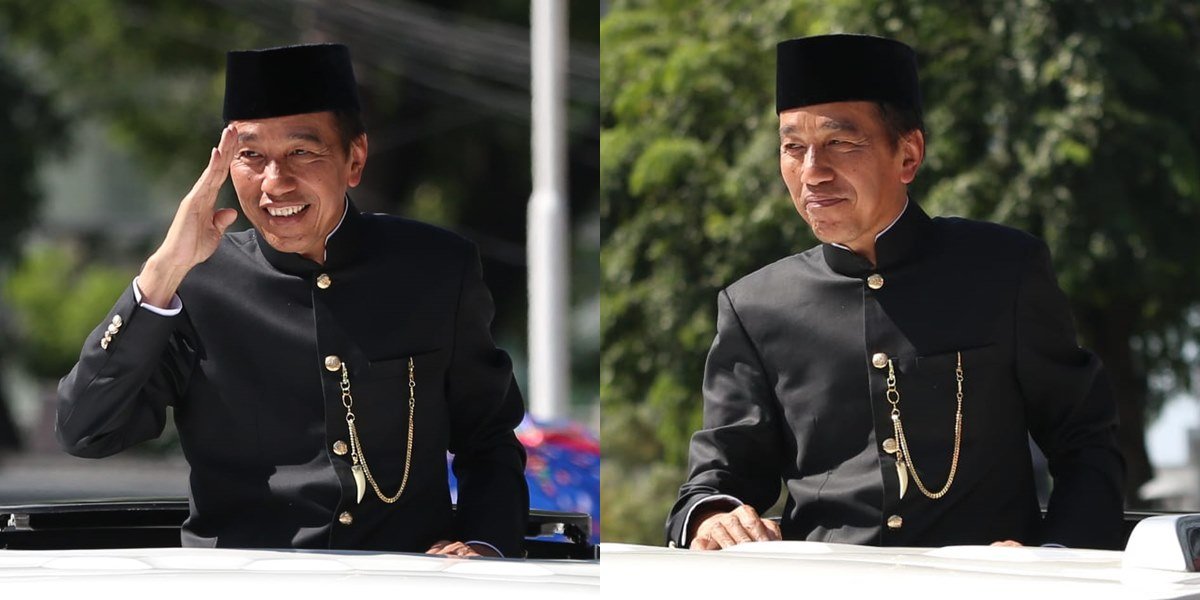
305	135
836	125
247	137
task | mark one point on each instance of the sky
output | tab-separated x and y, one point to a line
1166	439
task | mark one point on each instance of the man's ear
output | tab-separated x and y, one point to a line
912	152
358	159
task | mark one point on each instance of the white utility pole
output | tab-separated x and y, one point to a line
547	246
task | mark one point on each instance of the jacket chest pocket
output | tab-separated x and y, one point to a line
984	357
929	389
390	394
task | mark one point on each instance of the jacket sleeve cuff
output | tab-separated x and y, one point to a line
170	311
483	543
683	537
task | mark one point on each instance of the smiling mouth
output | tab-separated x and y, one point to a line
286	211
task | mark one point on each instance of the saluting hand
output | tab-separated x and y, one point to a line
719	530
196	231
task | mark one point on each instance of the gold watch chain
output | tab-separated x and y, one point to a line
357	456
904	456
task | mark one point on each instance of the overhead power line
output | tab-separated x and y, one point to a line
478	60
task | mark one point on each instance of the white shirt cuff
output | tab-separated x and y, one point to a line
482	543
173	309
683	537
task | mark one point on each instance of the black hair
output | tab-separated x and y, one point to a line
350	125
899	121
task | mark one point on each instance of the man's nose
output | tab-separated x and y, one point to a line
277	180
815	169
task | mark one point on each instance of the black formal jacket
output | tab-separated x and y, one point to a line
791	393
260	417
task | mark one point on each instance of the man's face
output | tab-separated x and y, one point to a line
844	176
291	175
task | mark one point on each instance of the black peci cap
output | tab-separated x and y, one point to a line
845	67
291	80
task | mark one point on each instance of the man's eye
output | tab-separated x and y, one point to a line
300	152
793	148
248	154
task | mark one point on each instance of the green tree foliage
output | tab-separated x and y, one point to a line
690	200
30	130
1075	121
150	70
58	298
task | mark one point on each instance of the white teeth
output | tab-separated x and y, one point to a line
286	211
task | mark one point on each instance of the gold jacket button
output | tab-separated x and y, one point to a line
875	281
340	448
323	281
893	522
346	518
890	446
116	321
879	360
333	363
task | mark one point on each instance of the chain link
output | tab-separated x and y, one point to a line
903	455
356	452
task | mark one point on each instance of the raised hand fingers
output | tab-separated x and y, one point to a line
229	137
214	175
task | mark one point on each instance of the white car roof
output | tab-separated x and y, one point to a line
821	570
228	574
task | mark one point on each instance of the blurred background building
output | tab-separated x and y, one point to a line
107	112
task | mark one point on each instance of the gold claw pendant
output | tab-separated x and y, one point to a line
359	467
902	475
360	481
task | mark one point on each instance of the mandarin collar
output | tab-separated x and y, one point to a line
897	245
341	248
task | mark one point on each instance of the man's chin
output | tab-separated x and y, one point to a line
282	244
827	234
